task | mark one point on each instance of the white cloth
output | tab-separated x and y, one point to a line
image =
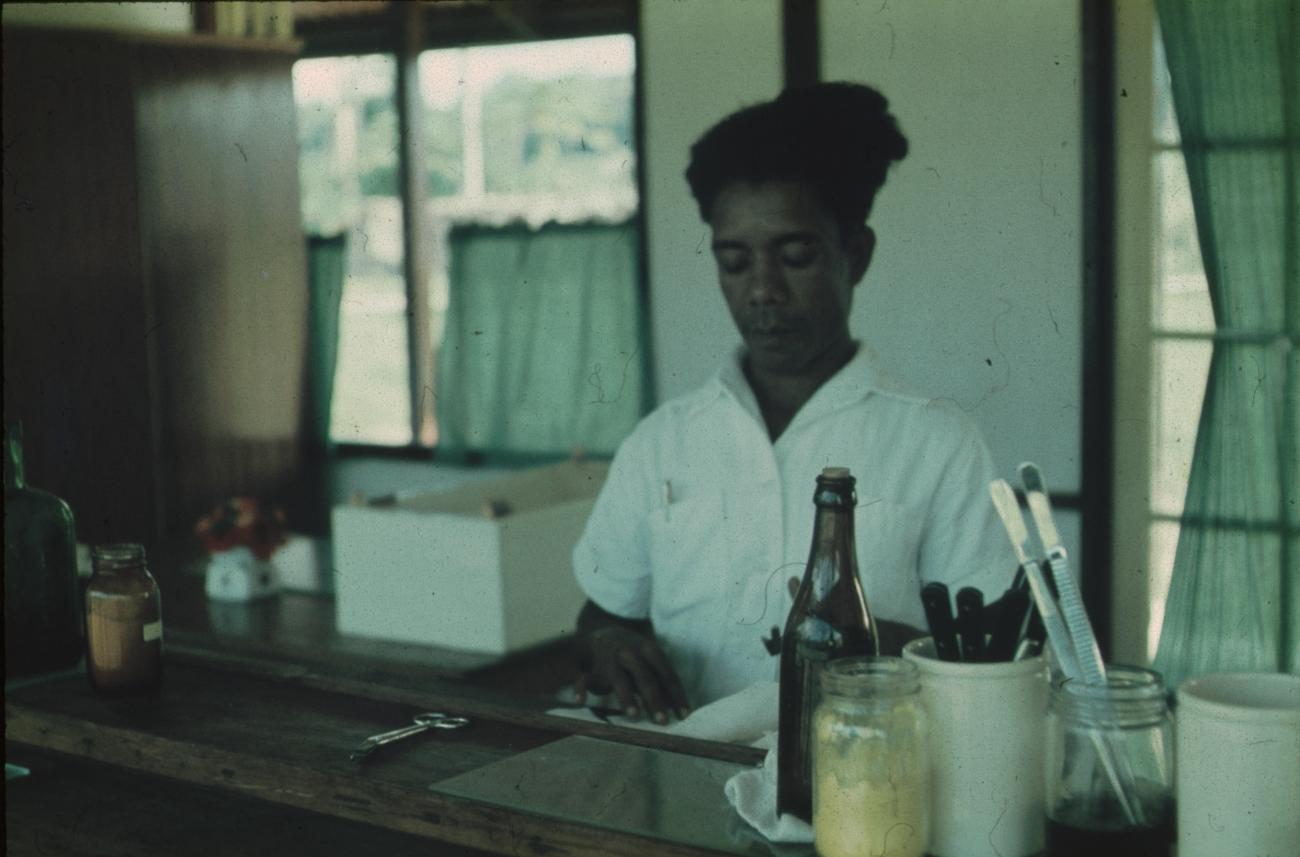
702	518
752	793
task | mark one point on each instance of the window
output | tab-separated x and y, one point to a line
348	174
1169	339
515	143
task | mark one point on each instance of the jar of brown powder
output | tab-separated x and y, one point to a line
123	622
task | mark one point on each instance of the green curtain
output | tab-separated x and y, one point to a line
309	508
1234	69
543	347
326	259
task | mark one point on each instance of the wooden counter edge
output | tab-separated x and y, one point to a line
418	811
447	698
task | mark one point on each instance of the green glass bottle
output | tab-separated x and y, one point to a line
42	615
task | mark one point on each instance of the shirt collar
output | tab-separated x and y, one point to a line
856	380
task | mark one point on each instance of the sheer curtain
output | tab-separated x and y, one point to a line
543	351
1234	69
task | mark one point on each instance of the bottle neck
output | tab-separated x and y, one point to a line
833	555
15	476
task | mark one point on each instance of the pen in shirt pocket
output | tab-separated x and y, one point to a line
668	498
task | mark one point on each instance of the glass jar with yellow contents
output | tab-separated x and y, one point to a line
870	763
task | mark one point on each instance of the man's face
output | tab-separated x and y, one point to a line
786	271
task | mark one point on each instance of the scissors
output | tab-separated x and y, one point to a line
421	722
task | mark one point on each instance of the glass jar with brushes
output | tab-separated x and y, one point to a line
1110	767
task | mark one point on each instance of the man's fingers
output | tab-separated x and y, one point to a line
668	679
623	690
647	683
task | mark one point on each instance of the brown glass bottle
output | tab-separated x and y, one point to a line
123	622
828	620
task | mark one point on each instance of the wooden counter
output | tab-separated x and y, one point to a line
71	806
251	742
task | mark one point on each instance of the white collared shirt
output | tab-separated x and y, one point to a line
703	518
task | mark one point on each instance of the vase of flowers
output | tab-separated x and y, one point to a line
241	535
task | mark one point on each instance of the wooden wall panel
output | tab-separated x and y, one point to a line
74	325
227	272
155	303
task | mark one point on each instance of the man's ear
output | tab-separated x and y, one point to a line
860	244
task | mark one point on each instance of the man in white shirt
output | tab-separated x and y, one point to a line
707	509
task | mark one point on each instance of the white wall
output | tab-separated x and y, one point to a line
975	290
700	60
156	17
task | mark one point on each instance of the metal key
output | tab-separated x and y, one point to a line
428	720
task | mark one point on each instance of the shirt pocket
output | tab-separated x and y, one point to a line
693	546
887	538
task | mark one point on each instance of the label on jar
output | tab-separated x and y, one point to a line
152	631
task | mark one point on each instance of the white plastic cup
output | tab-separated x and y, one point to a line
1237	760
987	736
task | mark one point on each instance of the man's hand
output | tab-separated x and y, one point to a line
627	661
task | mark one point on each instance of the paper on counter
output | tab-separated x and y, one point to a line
742	718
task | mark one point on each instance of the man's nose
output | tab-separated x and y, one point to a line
767	283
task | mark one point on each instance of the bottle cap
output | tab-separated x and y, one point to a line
835	473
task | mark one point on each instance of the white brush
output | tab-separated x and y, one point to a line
1058	636
1088	655
1086	652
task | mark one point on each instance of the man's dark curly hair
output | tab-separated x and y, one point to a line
840	137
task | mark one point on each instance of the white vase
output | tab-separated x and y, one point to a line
237	575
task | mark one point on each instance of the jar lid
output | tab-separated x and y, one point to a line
1254	697
1132	696
117	555
870	675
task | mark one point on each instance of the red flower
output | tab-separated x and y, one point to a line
242	522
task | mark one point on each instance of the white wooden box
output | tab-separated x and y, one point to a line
438	569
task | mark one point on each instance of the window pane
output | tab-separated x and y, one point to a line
1182	299
556	117
539	117
1181	369
348	164
442	86
1162	545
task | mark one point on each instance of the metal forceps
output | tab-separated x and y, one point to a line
427	720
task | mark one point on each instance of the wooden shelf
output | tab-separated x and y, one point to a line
185	41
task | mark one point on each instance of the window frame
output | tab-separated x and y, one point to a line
403	31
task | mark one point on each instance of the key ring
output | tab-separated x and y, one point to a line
438	720
420	723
